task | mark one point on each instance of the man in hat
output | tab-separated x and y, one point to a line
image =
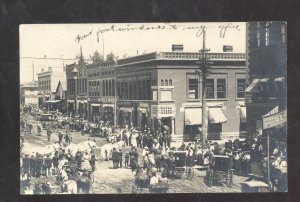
139	139
126	159
39	164
237	161
48	164
26	166
115	157
32	165
120	157
78	158
49	134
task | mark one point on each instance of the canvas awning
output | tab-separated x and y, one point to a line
279	79
193	116
126	109
216	115
95	105
243	114
273	111
53	101
253	87
143	110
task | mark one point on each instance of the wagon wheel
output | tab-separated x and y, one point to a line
229	178
165	169
189	173
209	177
172	170
178	173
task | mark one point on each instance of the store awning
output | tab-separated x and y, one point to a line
279	79
82	101
215	115
95	105
126	109
143	110
53	101
70	101
273	111
193	116
243	114
253	87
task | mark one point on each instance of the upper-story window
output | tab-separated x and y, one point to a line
283	33
258	34
240	88
267	33
209	86
221	88
193	89
170	82
162	82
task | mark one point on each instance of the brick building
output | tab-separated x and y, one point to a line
101	79
159	89
82	97
266	71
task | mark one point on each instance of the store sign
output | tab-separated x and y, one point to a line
275	119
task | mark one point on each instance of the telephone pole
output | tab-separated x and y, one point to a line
203	73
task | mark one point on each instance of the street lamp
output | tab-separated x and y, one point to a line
75	74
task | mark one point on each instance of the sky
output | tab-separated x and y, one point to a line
64	40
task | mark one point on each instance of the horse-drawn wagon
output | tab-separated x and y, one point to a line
176	164
219	170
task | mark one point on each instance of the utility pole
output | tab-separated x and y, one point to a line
203	67
32	71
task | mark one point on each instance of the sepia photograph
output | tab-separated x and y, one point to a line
152	108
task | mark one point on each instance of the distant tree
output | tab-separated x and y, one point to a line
111	57
96	58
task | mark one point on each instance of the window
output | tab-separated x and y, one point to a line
221	88
162	83
193	89
113	87
209	89
109	88
170	82
166	82
104	88
283	34
240	88
267	34
258	34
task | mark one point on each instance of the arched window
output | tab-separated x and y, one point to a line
162	82
166	82
170	82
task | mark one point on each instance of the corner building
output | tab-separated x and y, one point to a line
164	89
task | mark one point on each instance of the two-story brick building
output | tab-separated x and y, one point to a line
164	89
101	79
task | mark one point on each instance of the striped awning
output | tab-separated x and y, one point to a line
216	115
193	116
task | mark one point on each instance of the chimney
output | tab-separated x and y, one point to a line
177	47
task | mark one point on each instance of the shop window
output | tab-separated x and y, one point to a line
240	88
214	130
221	88
193	89
209	86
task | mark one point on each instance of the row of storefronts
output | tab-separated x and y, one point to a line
158	90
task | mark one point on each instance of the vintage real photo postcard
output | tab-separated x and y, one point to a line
139	108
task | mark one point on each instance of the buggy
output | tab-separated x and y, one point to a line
176	165
220	170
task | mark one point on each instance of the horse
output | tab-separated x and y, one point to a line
69	186
84	183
